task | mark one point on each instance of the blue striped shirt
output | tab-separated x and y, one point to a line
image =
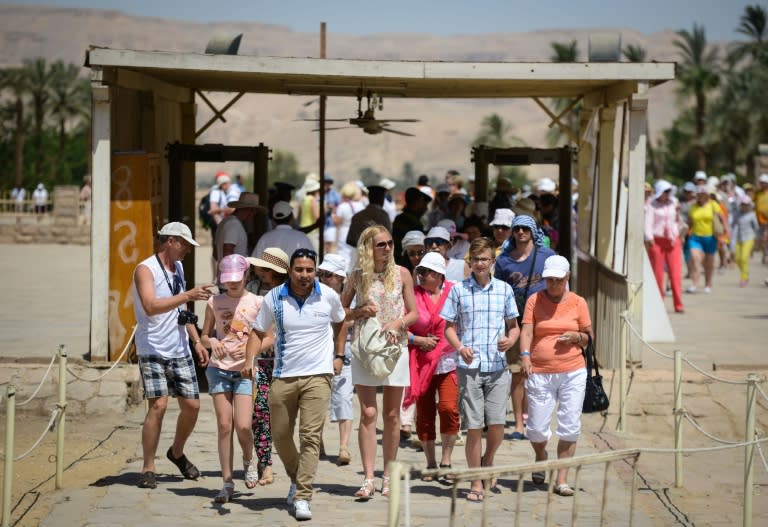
479	315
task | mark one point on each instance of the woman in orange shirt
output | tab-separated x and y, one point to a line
556	325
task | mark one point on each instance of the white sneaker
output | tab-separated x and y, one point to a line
291	494
707	290
301	510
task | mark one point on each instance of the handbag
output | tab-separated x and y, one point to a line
595	398
718	229
372	349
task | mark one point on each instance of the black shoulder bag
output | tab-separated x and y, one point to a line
521	298
595	398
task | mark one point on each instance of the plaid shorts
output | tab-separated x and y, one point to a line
162	377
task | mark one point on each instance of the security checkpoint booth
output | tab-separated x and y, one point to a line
144	145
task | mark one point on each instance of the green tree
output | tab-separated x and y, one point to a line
39	83
697	74
496	132
285	168
70	99
15	83
634	53
754	26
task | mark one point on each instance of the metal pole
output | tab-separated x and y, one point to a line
678	411
61	419
10	417
622	426
321	146
749	450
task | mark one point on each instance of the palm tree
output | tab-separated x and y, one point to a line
564	52
496	132
39	79
69	99
634	53
697	73
753	24
15	82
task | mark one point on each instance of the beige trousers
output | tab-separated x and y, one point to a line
307	396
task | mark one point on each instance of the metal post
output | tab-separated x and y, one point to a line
61	419
749	450
10	416
678	411
622	426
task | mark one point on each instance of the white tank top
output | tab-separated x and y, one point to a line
160	335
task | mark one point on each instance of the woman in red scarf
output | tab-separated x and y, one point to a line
433	363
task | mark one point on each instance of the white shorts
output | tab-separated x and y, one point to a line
340	406
544	391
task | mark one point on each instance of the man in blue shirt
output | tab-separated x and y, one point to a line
481	324
520	264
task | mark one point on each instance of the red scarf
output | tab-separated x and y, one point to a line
424	363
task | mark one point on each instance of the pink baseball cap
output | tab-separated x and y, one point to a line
232	268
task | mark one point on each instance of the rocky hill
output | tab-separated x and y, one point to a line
442	137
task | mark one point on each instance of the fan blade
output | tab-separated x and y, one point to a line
399	120
398	132
334	128
317	120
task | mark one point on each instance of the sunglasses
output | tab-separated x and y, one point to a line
414	254
384	245
304	253
325	274
428	242
521	228
500	227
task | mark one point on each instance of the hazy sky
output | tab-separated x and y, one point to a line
446	17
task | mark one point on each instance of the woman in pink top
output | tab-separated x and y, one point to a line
556	325
228	318
662	240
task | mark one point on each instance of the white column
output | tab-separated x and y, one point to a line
101	155
638	123
606	191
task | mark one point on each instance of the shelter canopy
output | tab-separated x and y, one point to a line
413	79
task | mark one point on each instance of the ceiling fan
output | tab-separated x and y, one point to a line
367	119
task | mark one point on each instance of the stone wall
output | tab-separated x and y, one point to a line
64	224
115	392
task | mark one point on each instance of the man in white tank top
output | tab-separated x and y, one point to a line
165	362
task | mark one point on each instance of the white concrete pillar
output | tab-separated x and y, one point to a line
606	192
101	154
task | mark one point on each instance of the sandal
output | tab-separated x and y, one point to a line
344	456
250	474
225	494
266	477
563	489
538	477
449	477
367	490
188	470
475	496
147	480
429	479
385	486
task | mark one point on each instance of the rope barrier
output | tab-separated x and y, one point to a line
693	365
48	428
759	389
638	335
34	394
762	456
703	449
700	429
117	361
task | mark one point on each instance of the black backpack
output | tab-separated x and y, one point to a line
204	212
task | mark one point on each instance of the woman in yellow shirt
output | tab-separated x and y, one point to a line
702	242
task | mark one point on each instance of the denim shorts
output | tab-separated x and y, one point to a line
225	381
706	244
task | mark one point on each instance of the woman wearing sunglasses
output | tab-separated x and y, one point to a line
384	290
433	363
413	250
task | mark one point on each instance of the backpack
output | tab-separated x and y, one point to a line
203	212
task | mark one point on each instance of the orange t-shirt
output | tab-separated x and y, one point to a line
551	320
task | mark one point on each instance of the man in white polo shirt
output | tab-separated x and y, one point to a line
307	317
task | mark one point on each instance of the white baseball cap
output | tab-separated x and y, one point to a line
555	266
502	217
334	263
387	183
176	228
281	210
438	232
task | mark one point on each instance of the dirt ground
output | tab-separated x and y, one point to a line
96	450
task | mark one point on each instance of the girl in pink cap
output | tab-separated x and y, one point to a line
228	318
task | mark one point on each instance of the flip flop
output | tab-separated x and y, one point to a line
475	496
185	466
